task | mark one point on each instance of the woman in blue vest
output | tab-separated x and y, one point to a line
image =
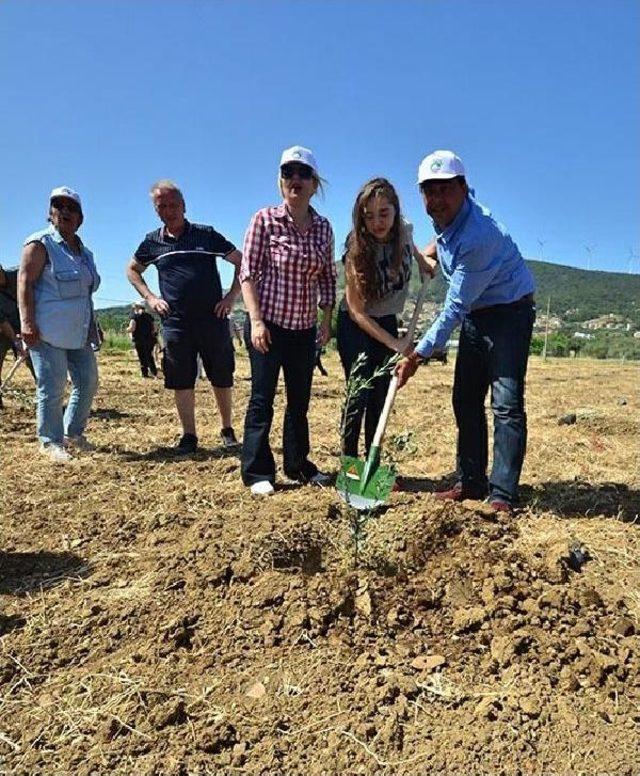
56	279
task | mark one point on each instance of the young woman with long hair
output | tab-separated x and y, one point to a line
378	257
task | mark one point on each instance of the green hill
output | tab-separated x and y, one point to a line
576	294
580	294
114	318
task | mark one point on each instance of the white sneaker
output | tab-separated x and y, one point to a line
320	478
79	442
55	453
262	488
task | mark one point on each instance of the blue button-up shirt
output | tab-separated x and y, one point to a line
62	293
482	266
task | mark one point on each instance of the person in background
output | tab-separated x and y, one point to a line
378	259
10	319
158	350
100	335
142	331
318	362
235	331
192	307
287	272
56	279
490	295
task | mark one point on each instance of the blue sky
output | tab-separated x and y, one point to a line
540	99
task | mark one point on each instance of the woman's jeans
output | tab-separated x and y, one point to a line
294	351
493	352
352	341
51	366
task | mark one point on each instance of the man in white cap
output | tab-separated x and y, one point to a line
490	295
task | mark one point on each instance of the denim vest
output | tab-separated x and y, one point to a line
62	293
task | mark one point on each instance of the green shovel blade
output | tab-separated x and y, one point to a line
364	487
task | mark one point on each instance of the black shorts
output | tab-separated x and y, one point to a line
208	337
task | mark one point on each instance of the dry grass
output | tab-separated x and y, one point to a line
143	595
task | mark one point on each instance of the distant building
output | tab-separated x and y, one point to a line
555	322
610	321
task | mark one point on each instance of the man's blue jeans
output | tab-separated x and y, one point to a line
51	366
493	352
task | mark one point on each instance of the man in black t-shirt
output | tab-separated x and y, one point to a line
142	331
192	307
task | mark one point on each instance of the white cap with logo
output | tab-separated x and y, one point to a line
440	165
66	193
301	155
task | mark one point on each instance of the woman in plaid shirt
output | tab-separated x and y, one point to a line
287	272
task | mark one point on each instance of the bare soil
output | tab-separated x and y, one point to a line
155	619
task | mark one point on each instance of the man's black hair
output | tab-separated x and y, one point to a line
460	178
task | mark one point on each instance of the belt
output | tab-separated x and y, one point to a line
527	299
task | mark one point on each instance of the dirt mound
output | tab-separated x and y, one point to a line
158	620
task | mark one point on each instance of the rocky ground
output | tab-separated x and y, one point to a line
156	619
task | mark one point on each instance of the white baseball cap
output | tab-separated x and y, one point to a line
67	193
440	165
301	155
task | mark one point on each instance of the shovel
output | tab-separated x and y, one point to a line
365	485
24	354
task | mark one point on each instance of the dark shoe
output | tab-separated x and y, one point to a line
460	492
188	444
229	438
306	475
320	478
501	506
317	478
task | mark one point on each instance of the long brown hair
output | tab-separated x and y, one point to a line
361	245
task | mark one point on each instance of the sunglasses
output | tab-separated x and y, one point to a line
303	171
446	186
68	204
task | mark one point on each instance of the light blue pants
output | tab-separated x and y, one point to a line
51	366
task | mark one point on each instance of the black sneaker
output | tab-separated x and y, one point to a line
187	444
309	475
229	438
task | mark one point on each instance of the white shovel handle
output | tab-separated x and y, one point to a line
393	385
20	360
422	295
384	416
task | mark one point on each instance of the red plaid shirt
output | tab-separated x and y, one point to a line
293	272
